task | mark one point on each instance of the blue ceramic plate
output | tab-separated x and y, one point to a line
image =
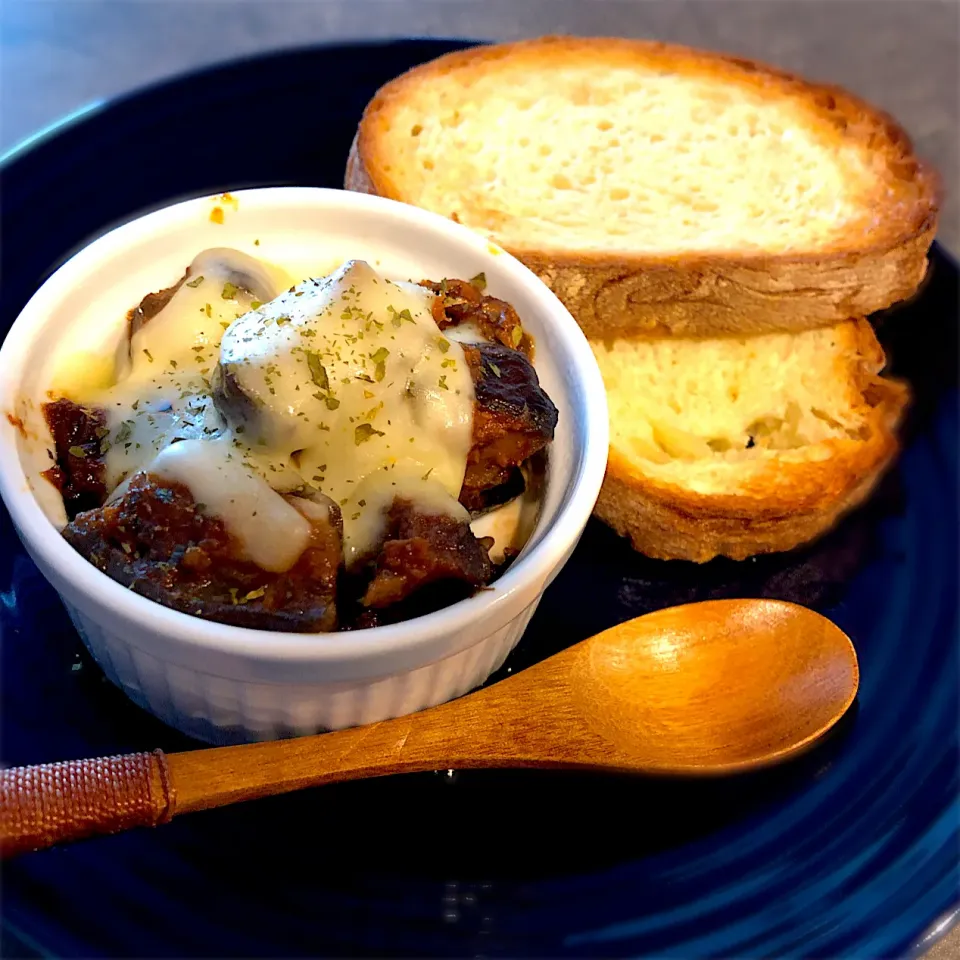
849	851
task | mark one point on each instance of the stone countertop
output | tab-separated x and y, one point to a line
57	55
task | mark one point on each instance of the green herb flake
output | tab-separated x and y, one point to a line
516	335
256	594
364	432
318	372
208	310
380	363
81	453
149	355
494	368
479	281
229	291
443	344
256	304
195	283
442	383
449	363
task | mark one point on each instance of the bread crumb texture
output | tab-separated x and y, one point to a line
652	154
707	415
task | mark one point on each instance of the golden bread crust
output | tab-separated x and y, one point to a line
780	504
872	265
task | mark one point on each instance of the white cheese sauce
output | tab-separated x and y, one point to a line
351	377
269	531
343	384
161	391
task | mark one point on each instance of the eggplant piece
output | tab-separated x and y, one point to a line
157	541
513	418
463	302
421	550
78	472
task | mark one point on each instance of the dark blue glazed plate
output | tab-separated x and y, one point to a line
849	851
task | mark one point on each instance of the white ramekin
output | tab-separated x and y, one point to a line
226	684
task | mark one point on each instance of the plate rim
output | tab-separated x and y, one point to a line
92	108
922	940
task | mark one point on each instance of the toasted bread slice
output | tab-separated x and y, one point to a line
736	447
657	189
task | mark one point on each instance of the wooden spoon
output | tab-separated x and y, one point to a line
705	688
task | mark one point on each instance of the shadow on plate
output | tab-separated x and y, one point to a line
511	825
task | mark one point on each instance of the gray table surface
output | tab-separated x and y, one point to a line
57	55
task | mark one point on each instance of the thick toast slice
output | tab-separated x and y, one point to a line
656	189
736	447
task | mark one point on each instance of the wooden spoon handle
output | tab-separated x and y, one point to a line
53	802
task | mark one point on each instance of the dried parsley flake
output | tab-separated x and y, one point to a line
364	432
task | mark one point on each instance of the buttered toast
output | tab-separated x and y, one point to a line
735	447
660	190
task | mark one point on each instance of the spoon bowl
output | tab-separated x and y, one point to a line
714	687
703	689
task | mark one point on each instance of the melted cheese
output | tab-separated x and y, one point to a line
376	492
161	388
351	377
466	332
269	531
343	385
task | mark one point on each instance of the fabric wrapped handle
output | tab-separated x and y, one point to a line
53	802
